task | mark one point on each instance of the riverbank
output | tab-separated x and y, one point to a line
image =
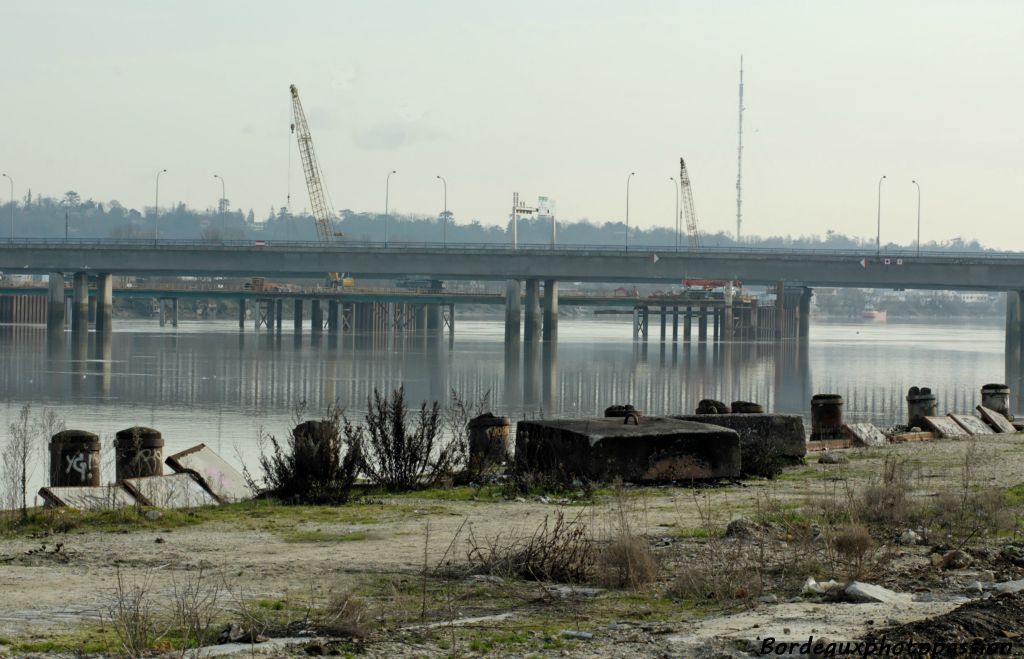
719	586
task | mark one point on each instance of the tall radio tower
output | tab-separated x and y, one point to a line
739	163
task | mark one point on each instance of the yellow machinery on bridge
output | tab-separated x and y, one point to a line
318	199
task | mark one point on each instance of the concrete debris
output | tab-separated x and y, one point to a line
865	434
833	459
571	633
1007	587
972	424
783	432
711	406
909	537
172	491
657	449
915	435
153	515
813	587
220	478
946	427
998	422
952	560
100	497
863	593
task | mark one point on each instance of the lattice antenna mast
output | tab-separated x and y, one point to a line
739	163
311	168
688	210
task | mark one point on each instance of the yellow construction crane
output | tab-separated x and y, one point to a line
314	177
688	209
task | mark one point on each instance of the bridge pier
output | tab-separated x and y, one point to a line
174	312
80	303
804	331
433	319
675	324
688	324
316	317
104	302
55	304
780	310
664	321
532	325
728	314
716	317
451	320
297	316
551	311
333	326
513	314
279	313
241	314
702	326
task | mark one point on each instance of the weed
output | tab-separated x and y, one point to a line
560	550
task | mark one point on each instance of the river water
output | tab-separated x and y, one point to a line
208	382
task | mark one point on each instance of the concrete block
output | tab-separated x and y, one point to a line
220	478
784	431
171	491
657	449
865	434
998	422
972	424
99	497
945	427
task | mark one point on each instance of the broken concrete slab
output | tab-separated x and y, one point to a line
785	432
657	449
181	490
920	436
858	591
972	424
945	427
865	434
98	497
220	478
998	422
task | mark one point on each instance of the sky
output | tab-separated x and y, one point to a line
562	99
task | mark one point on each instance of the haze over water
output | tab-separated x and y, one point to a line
208	382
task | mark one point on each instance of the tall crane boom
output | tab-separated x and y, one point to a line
311	168
688	209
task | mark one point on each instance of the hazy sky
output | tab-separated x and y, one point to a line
545	98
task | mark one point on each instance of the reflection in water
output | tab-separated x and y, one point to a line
208	382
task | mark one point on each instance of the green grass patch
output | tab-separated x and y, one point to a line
316	535
1014	496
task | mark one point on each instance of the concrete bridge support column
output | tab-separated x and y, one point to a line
333	318
717	320
241	314
451	320
270	315
1013	322
532	326
55	306
702	327
780	309
805	313
728	314
297	316
434	319
550	311
163	312
174	312
664	320
513	305
92	310
755	330
104	302
675	324
316	317
80	304
279	313
688	324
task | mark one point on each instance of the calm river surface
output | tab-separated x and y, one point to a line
208	382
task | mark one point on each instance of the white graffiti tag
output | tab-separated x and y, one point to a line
78	463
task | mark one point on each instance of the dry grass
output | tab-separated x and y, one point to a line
559	550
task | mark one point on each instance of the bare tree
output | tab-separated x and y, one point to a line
16	458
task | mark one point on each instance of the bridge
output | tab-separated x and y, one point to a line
532	264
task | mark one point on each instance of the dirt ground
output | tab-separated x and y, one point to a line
53	599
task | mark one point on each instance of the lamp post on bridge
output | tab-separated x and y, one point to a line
387	193
918	185
444	216
628	179
878	237
11	180
222	206
675	184
156	203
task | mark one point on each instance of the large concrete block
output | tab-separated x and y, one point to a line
784	431
602	449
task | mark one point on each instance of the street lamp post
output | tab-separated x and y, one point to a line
444	217
628	179
878	237
387	192
11	180
918	216
222	206
156	203
675	184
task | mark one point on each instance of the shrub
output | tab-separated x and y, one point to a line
310	468
394	455
561	551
